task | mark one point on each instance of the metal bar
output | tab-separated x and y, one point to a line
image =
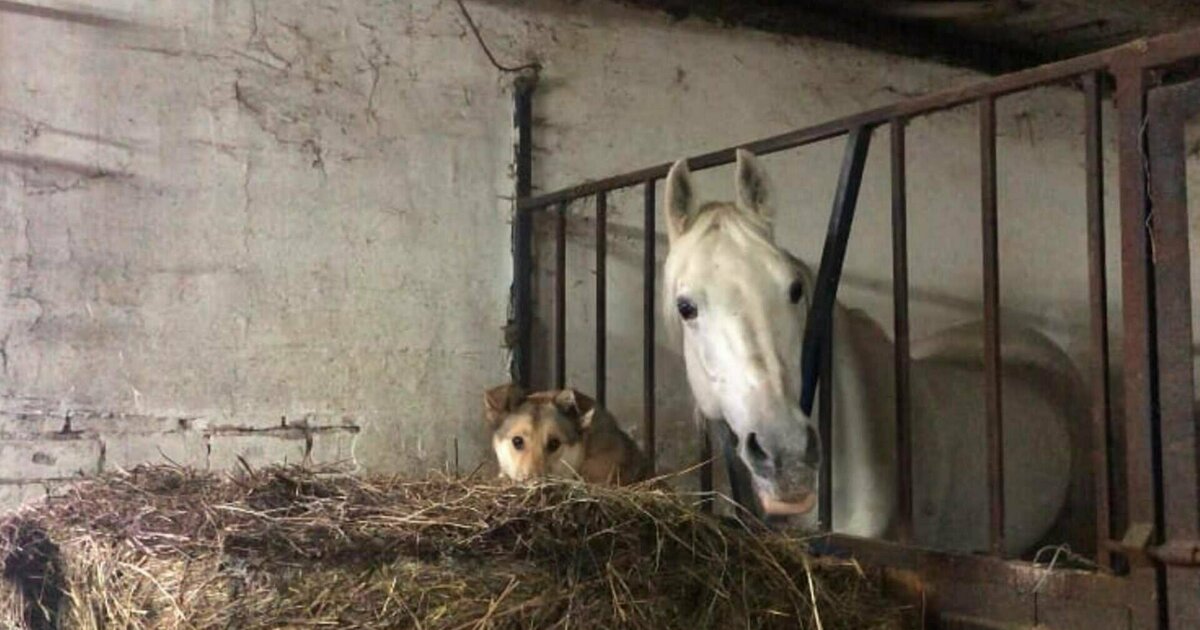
560	297
825	429
601	295
1156	51
1098	292
833	255
1178	439
1140	493
706	459
649	264
522	287
903	363
991	317
1137	297
1179	553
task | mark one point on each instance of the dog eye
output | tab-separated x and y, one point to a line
518	442
552	445
795	292
687	308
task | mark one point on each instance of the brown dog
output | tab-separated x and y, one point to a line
559	433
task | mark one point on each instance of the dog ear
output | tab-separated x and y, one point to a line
499	401
573	404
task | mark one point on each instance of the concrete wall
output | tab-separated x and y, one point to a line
268	230
280	230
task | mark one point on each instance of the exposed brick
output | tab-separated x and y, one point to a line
124	424
48	458
30	425
333	447
22	406
185	448
273	422
14	495
33	444
258	449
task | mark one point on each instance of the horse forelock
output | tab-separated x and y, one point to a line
717	224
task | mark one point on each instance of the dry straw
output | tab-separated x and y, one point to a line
165	547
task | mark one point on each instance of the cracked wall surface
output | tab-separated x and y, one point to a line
248	231
266	231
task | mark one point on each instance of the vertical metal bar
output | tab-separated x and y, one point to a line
841	219
816	359
903	364
825	430
1178	438
601	295
1098	292
706	469
1137	298
560	297
522	287
649	264
991	316
706	459
1140	493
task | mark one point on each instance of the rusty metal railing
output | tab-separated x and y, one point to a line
1127	463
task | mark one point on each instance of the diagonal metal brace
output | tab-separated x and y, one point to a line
833	256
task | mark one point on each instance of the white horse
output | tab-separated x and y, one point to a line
742	303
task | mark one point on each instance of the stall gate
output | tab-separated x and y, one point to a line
1145	469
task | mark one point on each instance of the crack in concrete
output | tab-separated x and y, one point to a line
244	102
35	127
376	60
247	232
261	62
175	53
4	354
257	41
318	161
42	175
372	115
262	118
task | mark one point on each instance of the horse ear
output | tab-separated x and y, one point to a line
499	401
751	184
680	198
574	404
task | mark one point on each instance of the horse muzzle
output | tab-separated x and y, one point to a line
773	506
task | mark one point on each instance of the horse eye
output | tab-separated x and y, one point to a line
687	308
552	445
795	292
518	442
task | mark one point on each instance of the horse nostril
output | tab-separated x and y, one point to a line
755	449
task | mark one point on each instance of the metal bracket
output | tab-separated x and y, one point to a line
1178	553
1137	548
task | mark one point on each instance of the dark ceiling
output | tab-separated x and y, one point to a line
989	35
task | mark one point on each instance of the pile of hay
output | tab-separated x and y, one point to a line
164	547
